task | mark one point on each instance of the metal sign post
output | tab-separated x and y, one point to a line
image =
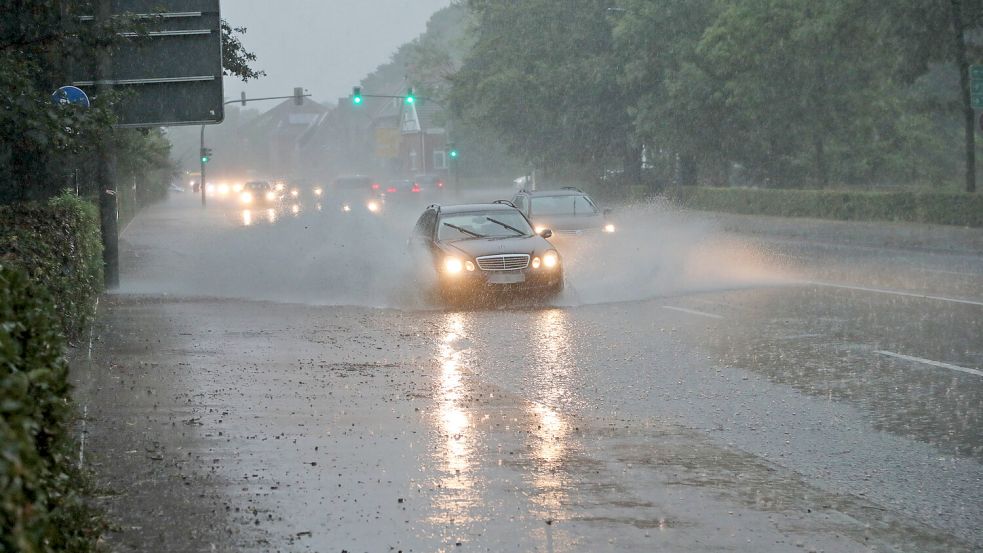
976	86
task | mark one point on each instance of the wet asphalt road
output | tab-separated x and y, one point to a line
704	384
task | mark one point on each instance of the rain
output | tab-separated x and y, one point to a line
598	275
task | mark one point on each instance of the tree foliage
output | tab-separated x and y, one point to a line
772	92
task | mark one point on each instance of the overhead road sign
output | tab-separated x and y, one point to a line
171	73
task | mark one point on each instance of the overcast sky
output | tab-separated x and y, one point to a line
325	46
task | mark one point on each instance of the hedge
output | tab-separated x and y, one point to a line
58	245
41	505
919	207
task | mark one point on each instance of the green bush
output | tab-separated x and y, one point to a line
919	207
41	508
58	245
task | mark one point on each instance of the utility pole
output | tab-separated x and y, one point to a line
106	163
201	158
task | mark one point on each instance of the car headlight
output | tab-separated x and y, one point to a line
247	198
295	193
539	229
237	187
551	259
453	265
373	206
468	266
223	188
536	262
346	208
270	196
609	227
317	191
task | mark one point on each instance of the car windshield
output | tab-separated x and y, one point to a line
562	205
483	224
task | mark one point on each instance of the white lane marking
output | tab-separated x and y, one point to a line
930	362
894	292
85	415
692	311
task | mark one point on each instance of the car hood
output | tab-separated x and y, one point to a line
477	247
558	223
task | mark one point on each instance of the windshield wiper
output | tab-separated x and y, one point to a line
510	227
465	231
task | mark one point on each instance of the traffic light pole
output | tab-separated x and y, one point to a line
204	162
298	97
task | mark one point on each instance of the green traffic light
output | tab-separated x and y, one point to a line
409	96
204	159
357	100
454	153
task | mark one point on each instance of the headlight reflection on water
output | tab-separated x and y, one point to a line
247	217
455	426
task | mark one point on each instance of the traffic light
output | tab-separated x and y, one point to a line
452	151
410	98
356	95
298	96
206	154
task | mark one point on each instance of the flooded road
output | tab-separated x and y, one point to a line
703	384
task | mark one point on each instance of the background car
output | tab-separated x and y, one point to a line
567	211
478	249
259	193
430	184
355	194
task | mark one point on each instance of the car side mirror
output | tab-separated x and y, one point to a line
546	233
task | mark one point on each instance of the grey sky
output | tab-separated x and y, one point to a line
326	46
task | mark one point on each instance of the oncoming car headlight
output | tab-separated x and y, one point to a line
609	227
539	229
270	196
295	192
373	206
453	265
317	191
551	259
247	198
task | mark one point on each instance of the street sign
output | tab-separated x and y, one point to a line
170	73
976	86
70	95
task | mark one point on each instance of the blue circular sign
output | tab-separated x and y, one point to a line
70	95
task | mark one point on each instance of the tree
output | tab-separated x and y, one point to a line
236	59
544	76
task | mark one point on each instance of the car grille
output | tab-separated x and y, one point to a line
506	262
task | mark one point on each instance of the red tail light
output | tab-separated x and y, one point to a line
375	186
440	184
391	189
415	188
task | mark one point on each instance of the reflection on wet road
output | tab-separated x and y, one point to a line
691	396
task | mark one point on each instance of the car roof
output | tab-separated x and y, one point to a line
560	192
467	208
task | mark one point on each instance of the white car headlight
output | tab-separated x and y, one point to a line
551	259
247	198
453	265
539	229
270	196
373	206
317	191
609	227
295	193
